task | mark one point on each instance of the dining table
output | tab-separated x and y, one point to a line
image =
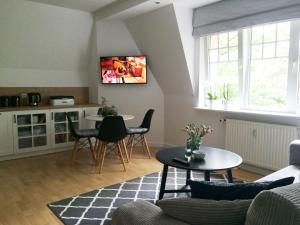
100	118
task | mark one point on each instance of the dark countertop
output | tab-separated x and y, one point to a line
45	107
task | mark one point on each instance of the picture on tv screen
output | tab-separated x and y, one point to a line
123	69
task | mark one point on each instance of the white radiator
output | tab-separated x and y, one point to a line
260	144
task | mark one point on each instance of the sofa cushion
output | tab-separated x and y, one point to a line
206	212
279	206
142	213
232	191
287	171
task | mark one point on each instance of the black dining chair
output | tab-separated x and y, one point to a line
140	132
80	136
98	123
112	130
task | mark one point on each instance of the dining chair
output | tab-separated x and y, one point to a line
81	136
112	130
140	132
98	123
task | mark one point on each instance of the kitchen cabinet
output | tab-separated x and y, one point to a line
6	133
60	130
31	131
40	130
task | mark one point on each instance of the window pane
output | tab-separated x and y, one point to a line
256	52
223	54
213	55
223	65
270	33
223	40
269	66
214	41
268	82
282	48
233	54
257	34
283	31
233	38
269	50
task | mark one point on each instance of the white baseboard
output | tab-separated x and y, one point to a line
156	144
168	145
255	169
35	153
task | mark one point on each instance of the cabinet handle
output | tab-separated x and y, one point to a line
52	116
15	119
83	114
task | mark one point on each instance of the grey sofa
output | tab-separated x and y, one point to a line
279	206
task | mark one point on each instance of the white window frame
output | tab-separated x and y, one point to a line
244	62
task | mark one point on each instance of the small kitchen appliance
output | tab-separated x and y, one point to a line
34	98
61	100
5	101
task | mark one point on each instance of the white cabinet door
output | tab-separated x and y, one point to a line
60	131
6	134
31	131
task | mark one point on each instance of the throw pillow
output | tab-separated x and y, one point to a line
206	212
232	191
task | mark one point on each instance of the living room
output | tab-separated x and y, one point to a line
201	58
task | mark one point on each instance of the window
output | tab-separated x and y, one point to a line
255	66
223	63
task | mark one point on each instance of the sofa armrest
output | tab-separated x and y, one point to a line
295	152
142	213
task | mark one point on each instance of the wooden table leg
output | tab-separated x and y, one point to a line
229	176
163	182
207	176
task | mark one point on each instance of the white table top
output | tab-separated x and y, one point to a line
100	118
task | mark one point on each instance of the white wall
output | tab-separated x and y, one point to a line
113	38
184	16
43	45
157	35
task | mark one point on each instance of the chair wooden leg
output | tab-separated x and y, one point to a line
130	144
103	150
74	151
95	146
99	151
146	145
92	149
121	155
125	150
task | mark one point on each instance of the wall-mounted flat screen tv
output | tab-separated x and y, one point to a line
123	70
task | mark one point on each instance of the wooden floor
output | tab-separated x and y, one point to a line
27	185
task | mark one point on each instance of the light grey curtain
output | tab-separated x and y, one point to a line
235	14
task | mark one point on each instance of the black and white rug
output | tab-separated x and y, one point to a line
96	207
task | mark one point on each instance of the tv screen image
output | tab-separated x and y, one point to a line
123	69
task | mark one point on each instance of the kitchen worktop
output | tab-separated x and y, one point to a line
45	107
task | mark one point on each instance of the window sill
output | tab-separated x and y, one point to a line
248	112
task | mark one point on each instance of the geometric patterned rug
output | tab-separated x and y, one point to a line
96	207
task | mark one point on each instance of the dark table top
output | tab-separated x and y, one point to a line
215	159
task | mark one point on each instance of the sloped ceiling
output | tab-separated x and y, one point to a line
157	36
84	5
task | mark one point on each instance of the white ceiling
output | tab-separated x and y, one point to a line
84	5
94	5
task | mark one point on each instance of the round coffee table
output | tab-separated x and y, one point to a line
215	159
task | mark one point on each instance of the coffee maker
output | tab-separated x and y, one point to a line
34	98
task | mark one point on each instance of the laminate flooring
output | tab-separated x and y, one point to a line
27	185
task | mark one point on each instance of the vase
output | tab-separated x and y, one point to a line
187	154
192	144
